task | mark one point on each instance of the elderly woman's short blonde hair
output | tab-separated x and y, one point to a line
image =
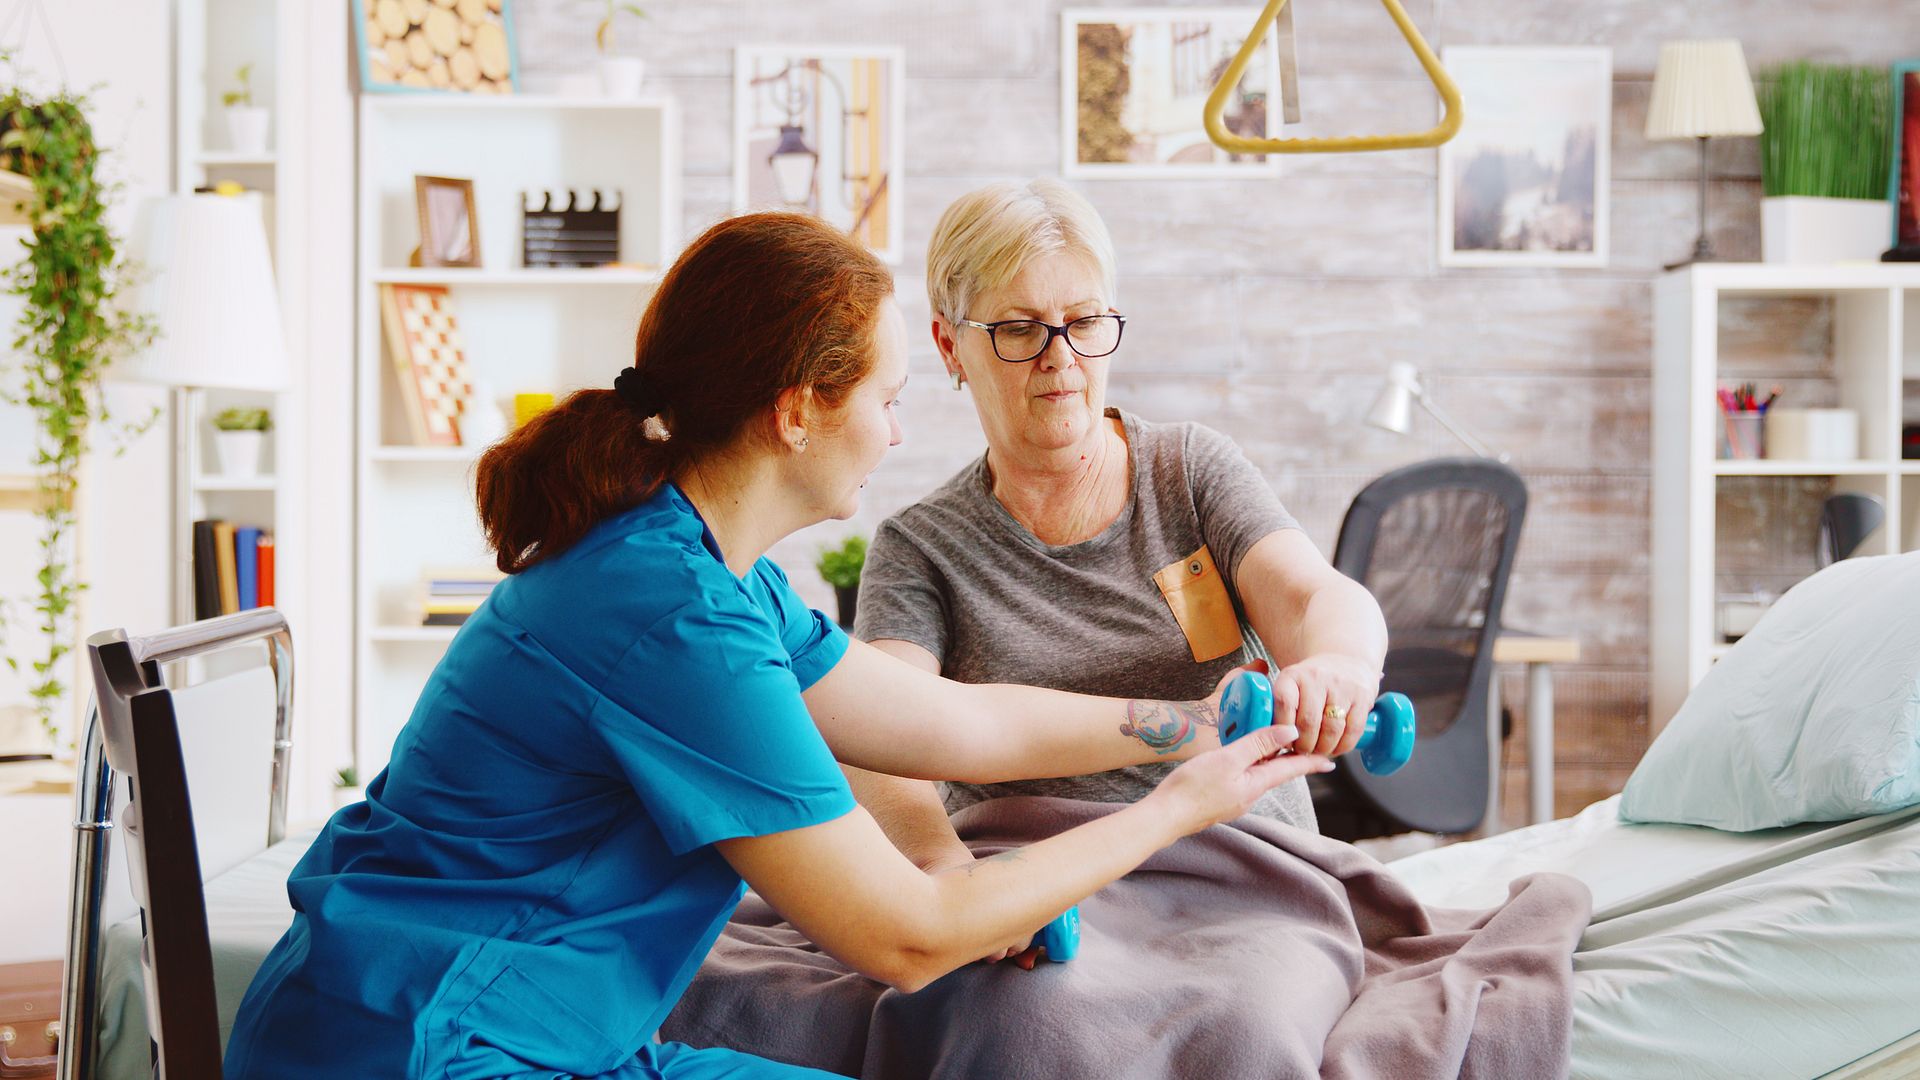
990	234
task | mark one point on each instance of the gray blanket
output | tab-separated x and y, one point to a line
1248	950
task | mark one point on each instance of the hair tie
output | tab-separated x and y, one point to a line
643	396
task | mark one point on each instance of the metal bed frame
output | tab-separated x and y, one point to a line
124	668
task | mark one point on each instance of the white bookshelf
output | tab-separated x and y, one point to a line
1875	359
525	330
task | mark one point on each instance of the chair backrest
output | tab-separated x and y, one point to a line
1435	543
135	731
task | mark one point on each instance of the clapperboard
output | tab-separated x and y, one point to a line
559	228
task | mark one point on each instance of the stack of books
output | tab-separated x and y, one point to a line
232	568
453	594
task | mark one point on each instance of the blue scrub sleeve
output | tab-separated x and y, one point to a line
704	717
814	642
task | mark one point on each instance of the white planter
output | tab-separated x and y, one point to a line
239	452
621	76
1808	230
247	129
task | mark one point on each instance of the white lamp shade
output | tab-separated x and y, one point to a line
1701	89
207	283
1393	409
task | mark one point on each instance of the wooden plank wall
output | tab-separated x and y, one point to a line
1269	308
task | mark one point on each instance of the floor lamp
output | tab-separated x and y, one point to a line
209	289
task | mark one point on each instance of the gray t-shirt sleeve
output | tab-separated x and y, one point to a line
1237	509
903	595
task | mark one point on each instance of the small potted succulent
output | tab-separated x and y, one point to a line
246	122
620	76
840	567
346	786
237	437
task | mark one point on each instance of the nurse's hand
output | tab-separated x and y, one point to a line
1224	783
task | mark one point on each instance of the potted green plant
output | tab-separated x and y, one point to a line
840	567
71	328
246	122
1825	155
238	434
620	76
346	786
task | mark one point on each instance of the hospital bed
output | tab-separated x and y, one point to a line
1791	952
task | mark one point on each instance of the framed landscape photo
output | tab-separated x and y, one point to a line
818	128
1134	82
1524	183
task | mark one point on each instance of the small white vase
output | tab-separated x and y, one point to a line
482	422
621	76
247	129
239	452
1806	229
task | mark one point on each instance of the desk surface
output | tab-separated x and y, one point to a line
1520	647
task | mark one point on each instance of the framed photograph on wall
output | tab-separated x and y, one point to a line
1524	183
1903	186
819	129
1133	83
449	229
410	47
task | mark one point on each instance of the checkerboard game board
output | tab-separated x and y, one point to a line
429	359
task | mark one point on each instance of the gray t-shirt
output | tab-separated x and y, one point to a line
955	574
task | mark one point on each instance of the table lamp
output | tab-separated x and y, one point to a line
1701	90
209	289
1393	409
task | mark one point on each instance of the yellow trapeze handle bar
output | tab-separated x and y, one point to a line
1240	144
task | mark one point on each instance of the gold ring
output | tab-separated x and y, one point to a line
1336	713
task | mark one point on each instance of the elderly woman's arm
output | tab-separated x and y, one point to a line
1324	632
910	812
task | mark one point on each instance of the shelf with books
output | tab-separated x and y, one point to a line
471	338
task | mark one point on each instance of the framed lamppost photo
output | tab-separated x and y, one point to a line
819	129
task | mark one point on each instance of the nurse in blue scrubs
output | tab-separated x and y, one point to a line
643	719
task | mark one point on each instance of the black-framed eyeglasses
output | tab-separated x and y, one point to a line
1019	340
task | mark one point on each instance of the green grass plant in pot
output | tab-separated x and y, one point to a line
840	567
1824	160
238	436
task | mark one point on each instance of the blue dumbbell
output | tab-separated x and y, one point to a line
1061	937
1386	745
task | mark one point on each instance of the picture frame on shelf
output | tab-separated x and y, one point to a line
1133	84
417	48
1903	184
449	226
1524	183
820	128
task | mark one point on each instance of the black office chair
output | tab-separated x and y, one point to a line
133	732
1435	543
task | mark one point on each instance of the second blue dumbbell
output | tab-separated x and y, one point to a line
1061	937
1384	747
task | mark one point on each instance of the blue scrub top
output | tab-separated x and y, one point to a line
531	883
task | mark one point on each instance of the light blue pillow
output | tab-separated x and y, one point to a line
1813	716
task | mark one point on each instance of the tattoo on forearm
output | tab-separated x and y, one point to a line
1010	855
1166	726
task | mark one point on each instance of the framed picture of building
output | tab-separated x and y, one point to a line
1524	183
1134	82
818	128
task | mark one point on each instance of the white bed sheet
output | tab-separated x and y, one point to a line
1789	953
1786	953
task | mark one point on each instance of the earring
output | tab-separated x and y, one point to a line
802	444
955	376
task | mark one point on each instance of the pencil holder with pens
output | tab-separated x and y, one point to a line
1742	434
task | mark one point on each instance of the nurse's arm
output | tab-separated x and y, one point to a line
844	886
882	714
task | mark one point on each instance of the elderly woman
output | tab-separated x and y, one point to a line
1090	549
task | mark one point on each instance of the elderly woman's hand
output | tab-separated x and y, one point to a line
1327	696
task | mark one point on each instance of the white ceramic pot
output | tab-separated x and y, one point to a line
621	76
247	129
1804	229
239	452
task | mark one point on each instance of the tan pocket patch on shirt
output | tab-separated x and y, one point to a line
1197	593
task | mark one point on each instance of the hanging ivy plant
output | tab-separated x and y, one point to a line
69	333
